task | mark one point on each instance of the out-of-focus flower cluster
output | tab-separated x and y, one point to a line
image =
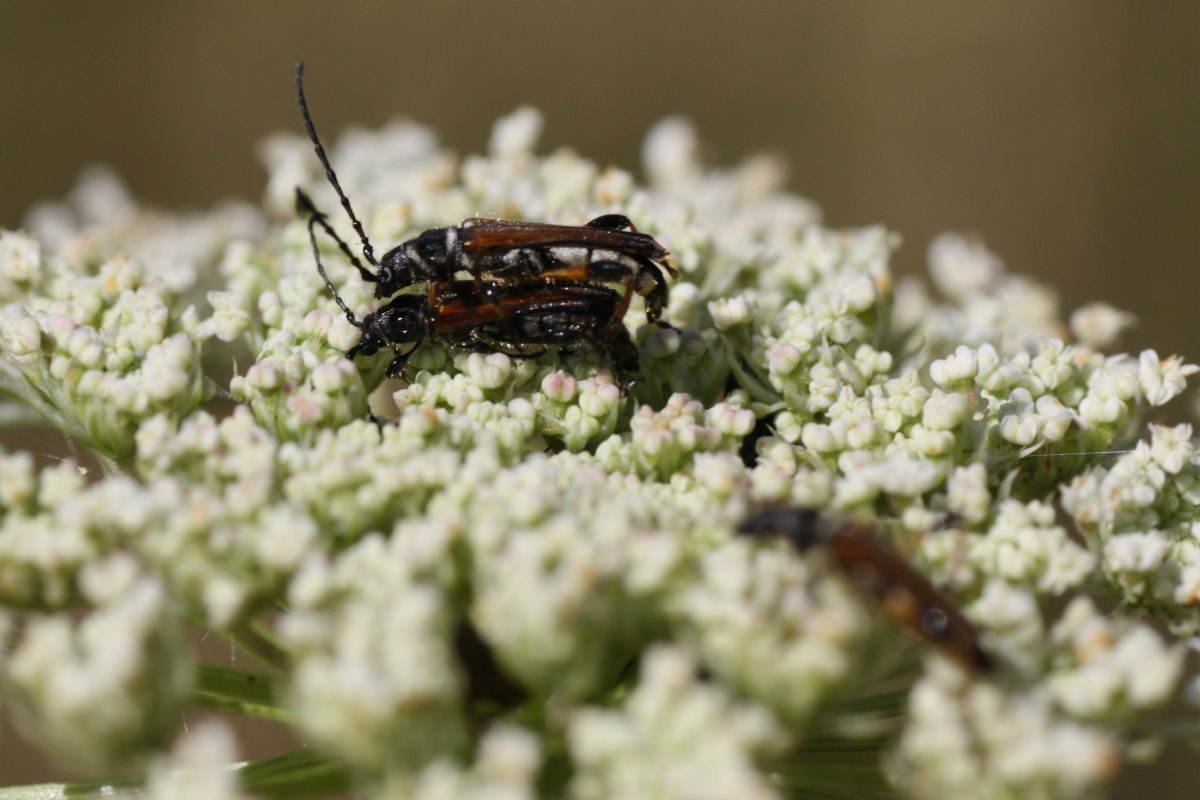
516	580
1057	737
110	687
98	330
1141	515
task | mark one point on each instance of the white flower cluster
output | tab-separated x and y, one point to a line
559	541
110	687
520	580
972	739
1141	517
673	737
1056	401
550	405
199	765
781	630
1051	739
45	535
94	332
376	680
1022	546
97	354
99	218
1105	670
988	305
505	768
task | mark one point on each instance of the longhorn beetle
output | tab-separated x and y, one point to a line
520	320
498	252
903	593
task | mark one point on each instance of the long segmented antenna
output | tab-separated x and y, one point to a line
368	251
305	205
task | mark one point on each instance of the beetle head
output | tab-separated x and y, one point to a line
425	258
395	271
403	321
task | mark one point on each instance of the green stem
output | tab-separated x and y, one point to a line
234	683
264	650
300	773
266	633
78	790
223	705
758	387
893	702
240	691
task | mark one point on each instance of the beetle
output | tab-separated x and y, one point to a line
902	593
520	320
496	252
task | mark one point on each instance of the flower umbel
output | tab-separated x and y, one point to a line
508	577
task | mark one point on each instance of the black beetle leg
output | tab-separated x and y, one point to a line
612	222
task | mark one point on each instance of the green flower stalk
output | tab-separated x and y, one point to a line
518	581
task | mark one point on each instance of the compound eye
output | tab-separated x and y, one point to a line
393	273
368	344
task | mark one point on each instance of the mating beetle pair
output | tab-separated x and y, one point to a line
532	284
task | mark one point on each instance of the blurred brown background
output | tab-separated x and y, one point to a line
1066	134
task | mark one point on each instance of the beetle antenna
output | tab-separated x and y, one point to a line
368	251
315	217
305	205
